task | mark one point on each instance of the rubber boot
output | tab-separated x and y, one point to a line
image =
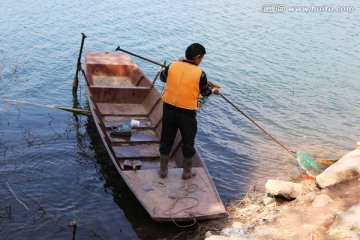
164	161
188	172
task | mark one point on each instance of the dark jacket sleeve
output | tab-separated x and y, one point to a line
205	89
164	74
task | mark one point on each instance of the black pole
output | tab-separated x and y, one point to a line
78	66
146	59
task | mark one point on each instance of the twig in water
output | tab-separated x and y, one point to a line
3	225
59	216
7	184
95	234
7	210
36	202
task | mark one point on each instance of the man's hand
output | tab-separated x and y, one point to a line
215	91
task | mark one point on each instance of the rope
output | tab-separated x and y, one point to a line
185	196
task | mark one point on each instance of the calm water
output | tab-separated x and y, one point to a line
295	74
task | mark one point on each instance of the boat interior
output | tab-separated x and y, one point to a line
120	92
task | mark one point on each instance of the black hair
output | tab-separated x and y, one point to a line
194	50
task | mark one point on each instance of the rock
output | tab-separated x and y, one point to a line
347	224
321	200
241	231
287	190
268	200
347	168
237	224
208	234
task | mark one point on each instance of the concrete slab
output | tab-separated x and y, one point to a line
347	168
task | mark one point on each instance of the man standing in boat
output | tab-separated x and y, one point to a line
185	81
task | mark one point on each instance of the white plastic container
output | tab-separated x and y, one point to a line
134	123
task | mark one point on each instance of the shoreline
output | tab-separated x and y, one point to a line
323	208
307	217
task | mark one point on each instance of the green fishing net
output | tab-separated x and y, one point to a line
310	166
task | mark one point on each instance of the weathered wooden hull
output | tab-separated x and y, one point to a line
118	91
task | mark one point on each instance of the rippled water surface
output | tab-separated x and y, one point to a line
294	74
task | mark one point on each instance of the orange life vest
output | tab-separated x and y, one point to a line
182	85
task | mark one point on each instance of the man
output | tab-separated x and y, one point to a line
184	82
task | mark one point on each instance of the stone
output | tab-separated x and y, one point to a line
241	231
237	224
285	189
208	234
268	200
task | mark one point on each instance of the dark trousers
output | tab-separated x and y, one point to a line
175	119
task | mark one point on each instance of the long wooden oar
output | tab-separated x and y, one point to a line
294	154
303	158
262	129
77	110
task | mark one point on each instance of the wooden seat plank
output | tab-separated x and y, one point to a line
137	151
136	136
112	81
113	121
122	109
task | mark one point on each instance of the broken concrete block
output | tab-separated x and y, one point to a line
347	168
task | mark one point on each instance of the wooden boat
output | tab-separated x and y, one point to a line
118	92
